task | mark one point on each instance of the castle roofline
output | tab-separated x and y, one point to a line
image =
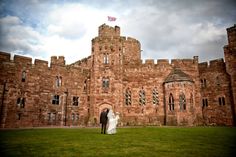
176	75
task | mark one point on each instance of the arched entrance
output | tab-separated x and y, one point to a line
101	107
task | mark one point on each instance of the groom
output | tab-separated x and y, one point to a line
103	120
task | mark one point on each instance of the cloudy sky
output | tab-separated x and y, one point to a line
166	28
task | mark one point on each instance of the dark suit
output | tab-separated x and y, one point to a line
103	121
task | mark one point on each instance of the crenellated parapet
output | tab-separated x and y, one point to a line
105	31
58	61
214	65
40	63
173	62
22	60
5	57
27	61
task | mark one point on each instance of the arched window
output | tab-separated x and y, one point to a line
21	102
105	82
85	85
75	101
203	83
204	103
221	101
217	81
23	77
128	97
155	98
171	102
73	117
105	58
58	81
182	102
142	97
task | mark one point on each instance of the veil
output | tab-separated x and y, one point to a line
110	114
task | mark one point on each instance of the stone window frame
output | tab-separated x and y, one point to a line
73	117
56	99
217	81
58	81
105	58
18	116
182	102
142	97
155	96
23	76
21	102
204	102
128	99
221	101
105	82
75	101
85	85
203	83
171	102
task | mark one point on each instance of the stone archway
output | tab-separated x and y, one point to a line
103	106
100	108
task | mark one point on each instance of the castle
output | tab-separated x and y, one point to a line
183	92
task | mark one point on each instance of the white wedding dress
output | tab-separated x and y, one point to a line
112	122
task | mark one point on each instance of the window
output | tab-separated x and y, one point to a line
23	77
73	117
204	103
128	96
18	116
77	117
191	101
182	102
203	83
49	117
155	98
221	101
55	99
105	82
217	81
105	58
85	85
58	81
21	102
171	102
142	98
75	101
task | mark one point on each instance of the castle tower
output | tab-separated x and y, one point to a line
110	52
230	60
179	90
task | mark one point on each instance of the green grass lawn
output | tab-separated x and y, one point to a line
143	141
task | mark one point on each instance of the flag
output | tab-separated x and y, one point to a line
110	18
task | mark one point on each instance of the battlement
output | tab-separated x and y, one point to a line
174	62
213	64
22	59
58	60
40	63
231	32
5	56
217	63
105	30
182	62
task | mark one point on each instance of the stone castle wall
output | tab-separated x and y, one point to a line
57	94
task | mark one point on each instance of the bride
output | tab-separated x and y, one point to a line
112	122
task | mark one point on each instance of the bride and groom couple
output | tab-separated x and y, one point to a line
107	117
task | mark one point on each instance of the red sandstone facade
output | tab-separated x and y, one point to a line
183	92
